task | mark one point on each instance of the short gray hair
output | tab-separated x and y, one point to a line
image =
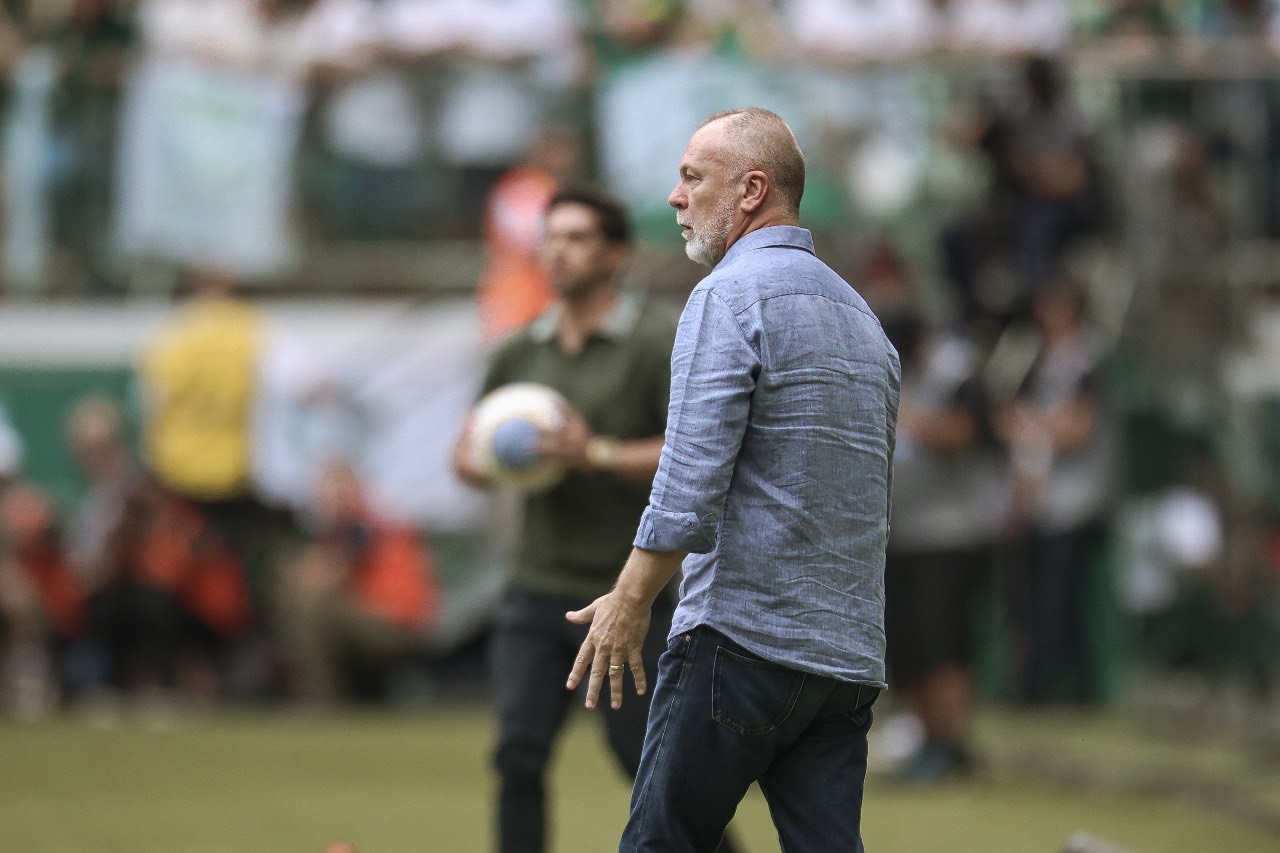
759	139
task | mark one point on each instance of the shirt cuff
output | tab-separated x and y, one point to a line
676	531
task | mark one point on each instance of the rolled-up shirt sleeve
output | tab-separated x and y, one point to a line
714	369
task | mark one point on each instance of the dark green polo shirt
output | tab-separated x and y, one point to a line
577	535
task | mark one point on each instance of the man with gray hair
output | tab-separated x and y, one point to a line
773	492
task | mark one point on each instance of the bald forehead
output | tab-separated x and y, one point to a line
716	128
709	142
758	132
743	142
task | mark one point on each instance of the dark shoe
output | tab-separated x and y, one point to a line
935	762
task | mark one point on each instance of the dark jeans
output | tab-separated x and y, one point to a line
723	718
532	652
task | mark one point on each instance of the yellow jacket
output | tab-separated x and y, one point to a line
199	380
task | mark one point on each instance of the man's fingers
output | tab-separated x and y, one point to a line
616	671
603	656
583	616
580	664
638	675
595	681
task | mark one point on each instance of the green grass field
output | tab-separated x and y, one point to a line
396	782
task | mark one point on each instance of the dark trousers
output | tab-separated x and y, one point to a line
532	652
723	718
139	634
1050	614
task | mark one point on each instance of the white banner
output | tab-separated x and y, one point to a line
206	167
384	387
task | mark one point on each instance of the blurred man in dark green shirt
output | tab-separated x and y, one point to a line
608	353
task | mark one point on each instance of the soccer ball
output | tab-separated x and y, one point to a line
506	432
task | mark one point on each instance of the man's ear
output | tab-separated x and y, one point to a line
755	190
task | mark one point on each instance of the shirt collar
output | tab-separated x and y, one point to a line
617	325
773	236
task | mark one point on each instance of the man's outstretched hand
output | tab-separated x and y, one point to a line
613	646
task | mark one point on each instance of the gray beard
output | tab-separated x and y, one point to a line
706	247
700	253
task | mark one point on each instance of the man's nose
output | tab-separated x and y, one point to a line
676	199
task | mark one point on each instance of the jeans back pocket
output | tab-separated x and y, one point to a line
752	696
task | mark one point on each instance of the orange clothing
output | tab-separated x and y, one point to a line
177	552
395	580
513	288
217	591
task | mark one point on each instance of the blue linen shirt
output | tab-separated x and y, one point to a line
776	472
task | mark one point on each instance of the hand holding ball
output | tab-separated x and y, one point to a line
506	435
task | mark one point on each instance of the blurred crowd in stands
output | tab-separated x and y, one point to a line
397	117
171	577
1063	211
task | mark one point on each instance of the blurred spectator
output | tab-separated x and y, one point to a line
42	611
373	125
65	64
1006	28
512	65
184	607
198	378
1137	19
98	537
946	499
199	381
629	28
1057	432
166	596
1132	31
748	28
633	32
291	38
93	47
514	288
1197	224
31	72
95	434
1198	585
946	483
1043	194
835	31
1242	22
883	280
359	598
